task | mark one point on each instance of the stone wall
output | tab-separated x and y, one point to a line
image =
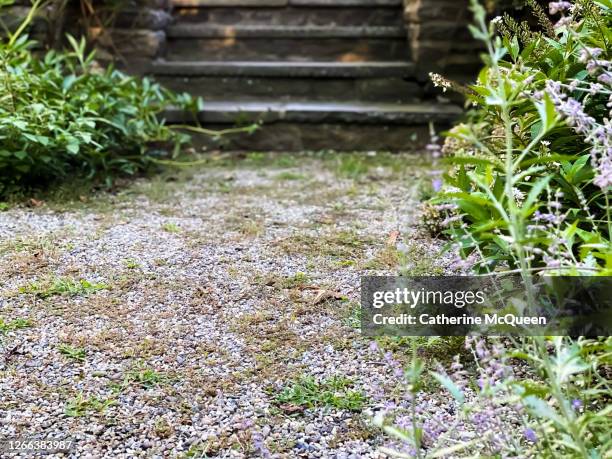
439	38
135	35
12	16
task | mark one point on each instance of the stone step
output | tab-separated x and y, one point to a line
387	90
206	30
287	49
320	126
283	3
320	112
287	136
292	16
280	69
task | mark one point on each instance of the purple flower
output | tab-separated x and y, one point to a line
605	78
531	435
559	7
434	149
259	445
576	404
598	135
436	184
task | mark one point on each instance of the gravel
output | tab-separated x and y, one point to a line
201	319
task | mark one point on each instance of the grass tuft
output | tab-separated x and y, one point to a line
62	286
334	392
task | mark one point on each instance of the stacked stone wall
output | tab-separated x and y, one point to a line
439	38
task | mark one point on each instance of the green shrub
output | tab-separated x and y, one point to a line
532	168
61	114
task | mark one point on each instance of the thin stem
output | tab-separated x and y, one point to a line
557	393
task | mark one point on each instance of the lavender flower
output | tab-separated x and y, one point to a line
259	445
531	435
598	135
559	7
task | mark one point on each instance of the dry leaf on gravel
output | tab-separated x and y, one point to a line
393	236
323	295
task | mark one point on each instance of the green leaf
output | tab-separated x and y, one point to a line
534	193
43	140
547	112
68	82
73	147
541	409
446	382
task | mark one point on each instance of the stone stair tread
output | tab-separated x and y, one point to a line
321	112
281	3
206	30
284	68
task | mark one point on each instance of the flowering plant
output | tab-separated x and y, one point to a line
532	168
552	405
528	190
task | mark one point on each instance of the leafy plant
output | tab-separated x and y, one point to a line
75	353
334	392
531	176
528	191
563	413
62	114
146	378
171	227
80	405
63	286
15	324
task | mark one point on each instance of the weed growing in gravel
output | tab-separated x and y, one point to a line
74	353
146	378
386	258
130	263
298	280
271	160
344	245
45	243
288	175
80	405
353	315
334	392
162	428
417	260
351	166
62	286
171	228
251	228
15	324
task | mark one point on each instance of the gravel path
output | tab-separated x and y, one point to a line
165	320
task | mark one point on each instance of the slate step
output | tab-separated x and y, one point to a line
283	3
287	49
320	126
282	69
286	137
320	112
211	88
292	16
206	30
